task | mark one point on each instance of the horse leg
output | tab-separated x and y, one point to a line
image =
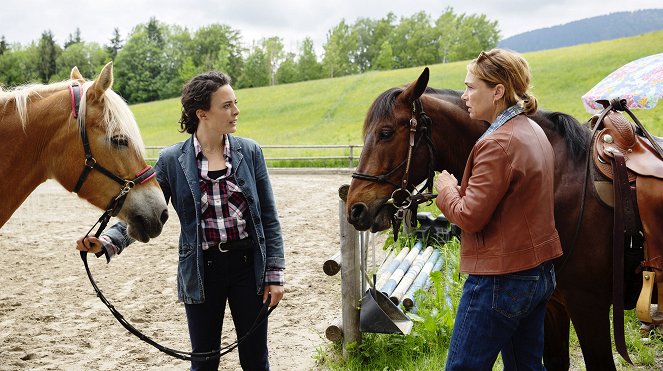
556	343
590	314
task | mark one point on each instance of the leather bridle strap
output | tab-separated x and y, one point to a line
413	144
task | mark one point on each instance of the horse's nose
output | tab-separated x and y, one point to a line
164	216
357	213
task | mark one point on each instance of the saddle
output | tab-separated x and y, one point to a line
628	176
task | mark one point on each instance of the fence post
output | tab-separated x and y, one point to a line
351	155
350	275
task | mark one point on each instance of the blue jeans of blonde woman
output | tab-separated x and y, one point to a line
502	313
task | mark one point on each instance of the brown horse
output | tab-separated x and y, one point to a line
583	294
41	139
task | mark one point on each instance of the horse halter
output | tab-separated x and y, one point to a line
115	205
402	198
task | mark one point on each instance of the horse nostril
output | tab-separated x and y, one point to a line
164	216
357	211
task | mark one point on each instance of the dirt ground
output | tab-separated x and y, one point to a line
50	318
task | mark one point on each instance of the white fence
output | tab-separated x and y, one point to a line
349	152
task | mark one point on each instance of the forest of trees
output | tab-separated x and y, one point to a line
155	59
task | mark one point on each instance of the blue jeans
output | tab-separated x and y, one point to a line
228	276
502	313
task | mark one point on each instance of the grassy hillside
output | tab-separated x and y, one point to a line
332	111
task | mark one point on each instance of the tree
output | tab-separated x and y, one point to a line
48	54
366	51
461	37
339	51
115	44
383	29
288	71
73	39
273	48
139	66
256	70
307	64
414	41
19	65
3	45
88	57
218	47
385	59
475	33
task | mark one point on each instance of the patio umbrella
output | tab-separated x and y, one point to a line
639	82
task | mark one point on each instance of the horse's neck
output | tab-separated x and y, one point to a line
453	135
27	151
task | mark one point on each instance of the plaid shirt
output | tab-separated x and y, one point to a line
222	203
223	206
502	118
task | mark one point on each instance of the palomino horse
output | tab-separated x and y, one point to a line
583	294
42	138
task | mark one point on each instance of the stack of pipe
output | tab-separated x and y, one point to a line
423	279
399	277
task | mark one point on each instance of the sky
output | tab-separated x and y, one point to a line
23	21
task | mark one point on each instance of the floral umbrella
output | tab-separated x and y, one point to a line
639	82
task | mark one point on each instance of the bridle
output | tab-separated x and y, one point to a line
90	163
401	197
113	208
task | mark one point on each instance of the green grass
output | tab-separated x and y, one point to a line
427	345
332	111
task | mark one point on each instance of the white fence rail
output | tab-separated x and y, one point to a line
349	152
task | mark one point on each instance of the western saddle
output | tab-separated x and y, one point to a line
628	176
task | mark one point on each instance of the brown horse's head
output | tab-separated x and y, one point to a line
386	142
444	144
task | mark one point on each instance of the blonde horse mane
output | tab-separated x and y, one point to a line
117	116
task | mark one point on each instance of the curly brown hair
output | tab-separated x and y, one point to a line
197	94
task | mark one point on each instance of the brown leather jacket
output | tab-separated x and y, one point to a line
505	201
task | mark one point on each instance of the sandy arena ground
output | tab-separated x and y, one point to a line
50	318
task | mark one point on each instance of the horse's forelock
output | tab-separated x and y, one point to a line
382	107
118	118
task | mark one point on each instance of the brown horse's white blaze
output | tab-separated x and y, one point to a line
41	141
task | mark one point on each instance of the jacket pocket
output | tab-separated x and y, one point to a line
513	294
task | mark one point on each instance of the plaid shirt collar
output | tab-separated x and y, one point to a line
502	118
202	165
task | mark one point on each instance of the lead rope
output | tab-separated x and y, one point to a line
264	313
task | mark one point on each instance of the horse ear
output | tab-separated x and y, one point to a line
103	81
416	88
76	74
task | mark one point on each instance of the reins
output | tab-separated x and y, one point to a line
113	208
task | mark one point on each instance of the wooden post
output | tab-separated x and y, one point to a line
350	275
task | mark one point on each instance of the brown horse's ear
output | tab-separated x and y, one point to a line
416	88
103	81
76	74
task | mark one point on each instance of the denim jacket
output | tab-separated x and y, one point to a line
177	174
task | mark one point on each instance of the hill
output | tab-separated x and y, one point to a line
332	111
606	27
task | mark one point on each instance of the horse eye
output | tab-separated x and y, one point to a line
386	134
119	141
